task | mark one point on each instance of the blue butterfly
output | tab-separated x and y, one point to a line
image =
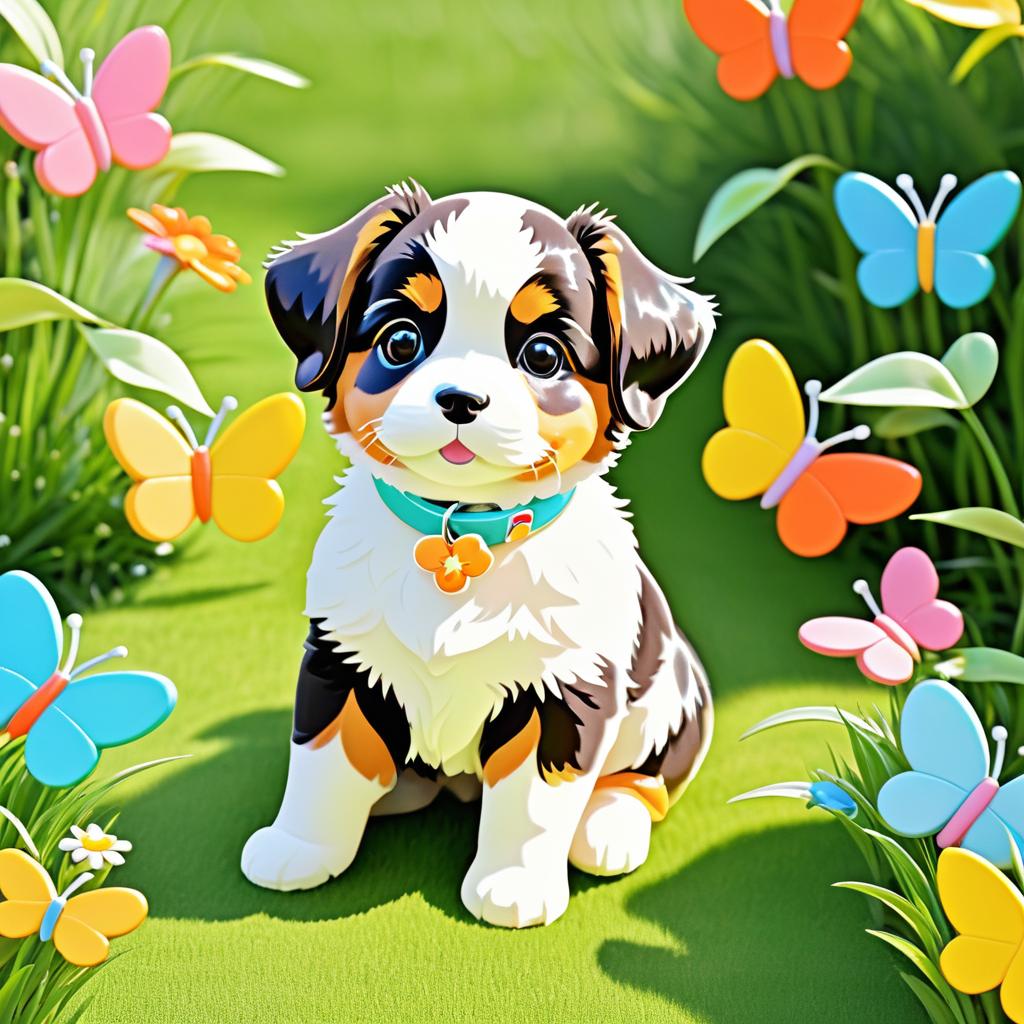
906	249
67	720
951	792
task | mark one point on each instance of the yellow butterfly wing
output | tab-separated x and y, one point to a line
27	891
765	416
89	920
988	912
247	501
154	454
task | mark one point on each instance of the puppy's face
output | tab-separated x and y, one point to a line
476	347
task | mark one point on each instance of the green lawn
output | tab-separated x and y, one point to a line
732	920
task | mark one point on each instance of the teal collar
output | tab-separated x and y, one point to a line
496	527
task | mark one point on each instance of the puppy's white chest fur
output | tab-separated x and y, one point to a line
551	608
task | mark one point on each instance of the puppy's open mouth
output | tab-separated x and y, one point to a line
457	453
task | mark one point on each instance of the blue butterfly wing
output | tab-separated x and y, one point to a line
941	735
14	691
963	279
977	220
888	278
883	227
988	837
118	707
57	752
30	629
915	804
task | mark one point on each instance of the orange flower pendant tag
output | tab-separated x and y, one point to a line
453	563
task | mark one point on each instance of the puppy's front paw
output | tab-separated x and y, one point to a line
516	897
274	859
614	836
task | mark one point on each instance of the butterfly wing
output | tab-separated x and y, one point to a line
766	423
887	663
882	226
58	752
988	912
817	28
14	691
739	32
27	891
839	636
916	804
34	111
941	735
974	223
247	508
92	918
810	522
130	83
867	488
988	837
910	586
117	707
30	629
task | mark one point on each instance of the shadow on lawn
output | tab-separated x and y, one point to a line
213	805
762	936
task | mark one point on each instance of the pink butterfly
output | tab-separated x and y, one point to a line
77	134
911	614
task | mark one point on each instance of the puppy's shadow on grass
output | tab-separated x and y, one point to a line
760	935
206	809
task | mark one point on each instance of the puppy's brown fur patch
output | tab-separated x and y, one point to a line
508	757
364	748
355	410
566	419
650	790
533	301
425	290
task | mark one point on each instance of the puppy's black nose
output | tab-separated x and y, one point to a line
460	406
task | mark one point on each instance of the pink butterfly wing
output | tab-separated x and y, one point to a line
131	83
33	111
910	586
886	662
67	167
839	636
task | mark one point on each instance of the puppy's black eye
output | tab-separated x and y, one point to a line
400	343
541	356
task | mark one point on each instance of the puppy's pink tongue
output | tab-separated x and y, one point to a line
457	453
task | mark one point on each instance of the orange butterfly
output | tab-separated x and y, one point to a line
757	44
765	450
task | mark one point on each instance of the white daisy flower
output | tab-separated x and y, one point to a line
94	845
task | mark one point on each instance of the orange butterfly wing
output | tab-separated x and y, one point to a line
839	489
817	28
739	32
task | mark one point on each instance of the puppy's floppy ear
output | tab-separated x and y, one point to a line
310	282
653	328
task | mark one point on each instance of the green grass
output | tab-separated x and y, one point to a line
732	920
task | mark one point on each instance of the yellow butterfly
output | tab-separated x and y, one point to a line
80	926
987	909
178	480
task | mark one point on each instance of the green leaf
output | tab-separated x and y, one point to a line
989	522
248	65
938	1012
192	152
915	956
913	915
982	665
973	359
28	302
897	423
900	379
746	192
144	362
972	13
32	25
981	47
812	714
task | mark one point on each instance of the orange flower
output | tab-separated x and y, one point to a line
455	564
190	240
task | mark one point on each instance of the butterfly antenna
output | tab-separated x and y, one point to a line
906	185
999	734
946	186
116	652
59	75
812	389
228	404
861	588
858	433
183	424
88	57
85	876
75	626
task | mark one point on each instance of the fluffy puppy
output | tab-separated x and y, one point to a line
480	618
